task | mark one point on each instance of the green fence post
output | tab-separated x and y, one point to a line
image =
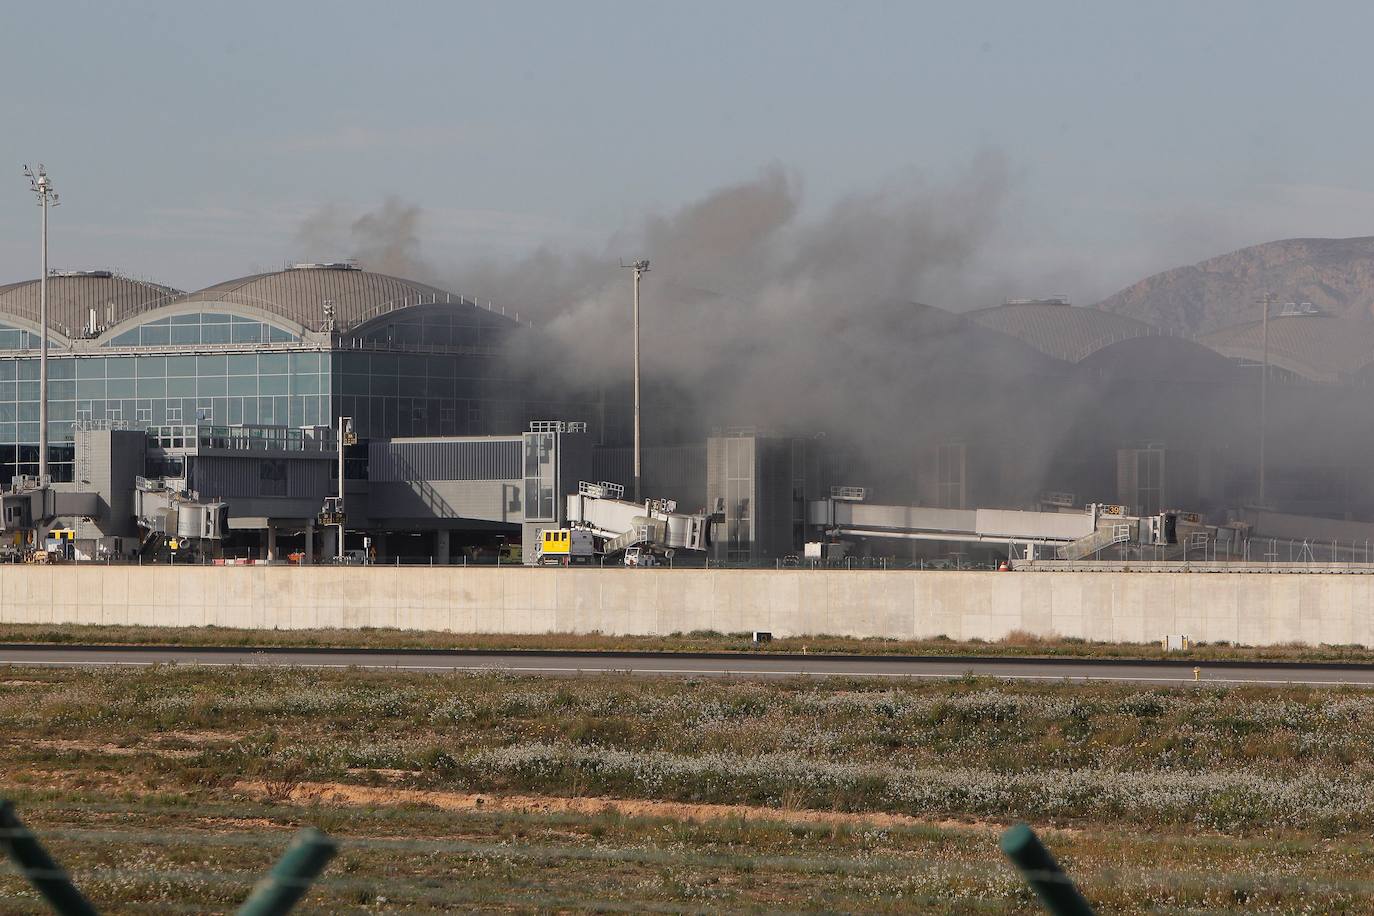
1054	888
46	876
287	882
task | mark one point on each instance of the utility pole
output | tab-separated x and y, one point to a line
346	437
40	185
640	267
1265	301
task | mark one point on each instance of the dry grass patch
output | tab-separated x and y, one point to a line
468	792
1016	643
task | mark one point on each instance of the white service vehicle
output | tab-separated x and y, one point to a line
640	556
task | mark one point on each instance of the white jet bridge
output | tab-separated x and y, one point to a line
621	524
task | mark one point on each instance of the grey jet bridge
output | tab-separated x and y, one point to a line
1054	535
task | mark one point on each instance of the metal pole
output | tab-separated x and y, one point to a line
1055	889
1267	299
46	876
290	878
43	351
343	422
40	185
639	268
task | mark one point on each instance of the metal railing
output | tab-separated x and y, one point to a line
244	438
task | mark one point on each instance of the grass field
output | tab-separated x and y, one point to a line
172	789
1017	644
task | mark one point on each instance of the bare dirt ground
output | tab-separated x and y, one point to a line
339	793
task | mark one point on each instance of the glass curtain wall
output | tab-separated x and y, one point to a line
280	388
406	394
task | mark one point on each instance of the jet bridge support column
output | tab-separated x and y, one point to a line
329	542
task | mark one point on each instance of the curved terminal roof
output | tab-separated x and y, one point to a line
1060	330
72	295
1321	348
301	293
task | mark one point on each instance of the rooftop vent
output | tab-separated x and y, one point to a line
105	274
325	265
1300	308
1051	300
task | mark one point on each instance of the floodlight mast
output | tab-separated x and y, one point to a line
42	186
640	267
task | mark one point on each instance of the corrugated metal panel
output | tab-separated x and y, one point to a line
70	299
227	477
463	459
474	500
672	471
1013	523
613	464
905	518
1062	331
307	478
217	477
357	295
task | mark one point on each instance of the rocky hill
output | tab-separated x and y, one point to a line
1337	275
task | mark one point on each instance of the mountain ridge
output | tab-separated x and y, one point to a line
1334	274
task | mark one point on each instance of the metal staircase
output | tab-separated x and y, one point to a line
644	531
1100	539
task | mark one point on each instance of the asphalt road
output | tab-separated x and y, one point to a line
701	665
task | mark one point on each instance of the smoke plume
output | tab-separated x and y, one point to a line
756	313
386	240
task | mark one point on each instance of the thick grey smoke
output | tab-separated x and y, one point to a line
386	240
744	272
759	311
756	312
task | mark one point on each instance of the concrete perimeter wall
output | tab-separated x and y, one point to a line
1248	608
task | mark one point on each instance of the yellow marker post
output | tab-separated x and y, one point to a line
1197	674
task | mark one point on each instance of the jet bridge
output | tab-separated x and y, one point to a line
1065	535
602	508
845	517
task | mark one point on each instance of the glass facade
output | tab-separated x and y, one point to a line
438	326
12	338
288	388
391	394
201	328
540	504
739	495
423	371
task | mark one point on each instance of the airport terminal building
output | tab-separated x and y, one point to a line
230	396
296	348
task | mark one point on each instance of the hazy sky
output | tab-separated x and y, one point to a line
191	140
